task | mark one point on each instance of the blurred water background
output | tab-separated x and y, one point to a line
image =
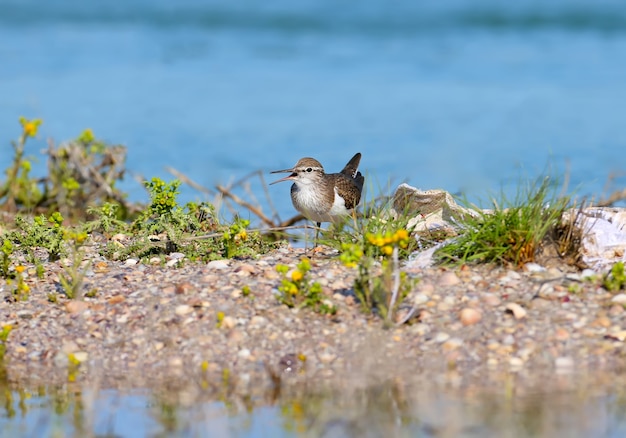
466	95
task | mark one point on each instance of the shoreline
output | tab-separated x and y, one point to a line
149	324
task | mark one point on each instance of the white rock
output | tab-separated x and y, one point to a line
131	262
419	299
441	337
218	264
534	267
183	309
564	363
518	311
619	299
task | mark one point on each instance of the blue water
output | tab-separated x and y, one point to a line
465	95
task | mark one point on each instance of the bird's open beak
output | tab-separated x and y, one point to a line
287	178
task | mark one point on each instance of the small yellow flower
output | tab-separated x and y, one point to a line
87	136
293	289
243	235
30	127
20	268
297	275
402	234
387	250
204	366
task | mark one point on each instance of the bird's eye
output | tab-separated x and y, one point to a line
308	169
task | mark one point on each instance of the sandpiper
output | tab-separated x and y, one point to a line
324	197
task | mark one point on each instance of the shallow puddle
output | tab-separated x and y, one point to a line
433	406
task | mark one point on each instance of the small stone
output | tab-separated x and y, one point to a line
564	363
452	344
69	347
155	261
516	362
175	362
76	306
172	262
244	353
229	322
619	299
258	321
419	298
539	303
24	314
183	288
560	334
131	262
533	268
469	316
183	309
518	311
81	356
617	335
249	269
116	299
327	357
616	309
100	267
217	264
448	279
441	337
491	300
119	237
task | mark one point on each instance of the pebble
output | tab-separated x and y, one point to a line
75	306
469	316
619	299
564	363
441	337
81	356
518	311
218	264
448	279
229	322
533	268
491	300
419	299
183	309
258	321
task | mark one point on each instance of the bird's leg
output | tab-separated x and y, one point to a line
317	232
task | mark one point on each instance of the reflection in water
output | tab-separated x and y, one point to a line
507	406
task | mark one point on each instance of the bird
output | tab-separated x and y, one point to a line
324	197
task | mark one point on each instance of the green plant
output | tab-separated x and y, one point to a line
5	257
380	284
514	232
21	290
4	336
72	277
297	289
615	279
108	219
83	171
42	232
20	189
